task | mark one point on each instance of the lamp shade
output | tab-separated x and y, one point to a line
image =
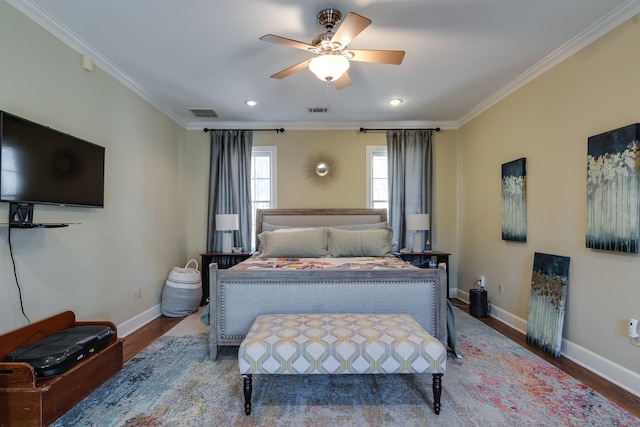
418	222
226	222
329	68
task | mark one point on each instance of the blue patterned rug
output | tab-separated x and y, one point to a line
496	383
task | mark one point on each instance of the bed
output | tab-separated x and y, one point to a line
260	285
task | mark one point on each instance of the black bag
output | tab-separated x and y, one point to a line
59	352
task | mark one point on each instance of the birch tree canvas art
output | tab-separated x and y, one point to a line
613	190
547	301
514	201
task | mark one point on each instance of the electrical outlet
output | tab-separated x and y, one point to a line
137	294
481	281
634	329
500	287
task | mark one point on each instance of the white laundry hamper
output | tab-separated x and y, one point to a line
182	291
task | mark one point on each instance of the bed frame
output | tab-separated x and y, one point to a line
239	296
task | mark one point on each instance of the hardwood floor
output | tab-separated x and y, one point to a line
135	342
138	340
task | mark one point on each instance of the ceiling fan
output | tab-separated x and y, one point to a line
331	49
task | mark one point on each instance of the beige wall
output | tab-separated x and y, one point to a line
548	121
294	148
93	267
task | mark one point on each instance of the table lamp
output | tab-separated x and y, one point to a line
227	223
418	223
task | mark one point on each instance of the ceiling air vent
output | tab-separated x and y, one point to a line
203	112
318	110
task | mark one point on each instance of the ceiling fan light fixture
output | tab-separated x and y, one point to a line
394	102
329	68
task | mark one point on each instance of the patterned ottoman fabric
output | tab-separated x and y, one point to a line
340	344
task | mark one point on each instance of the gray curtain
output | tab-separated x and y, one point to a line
409	154
230	185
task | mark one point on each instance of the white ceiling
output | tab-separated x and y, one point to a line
461	55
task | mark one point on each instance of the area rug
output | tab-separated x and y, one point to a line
495	383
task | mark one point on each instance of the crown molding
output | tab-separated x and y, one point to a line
44	19
623	13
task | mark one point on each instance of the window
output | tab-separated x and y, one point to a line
263	183
377	181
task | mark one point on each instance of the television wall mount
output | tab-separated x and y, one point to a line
21	216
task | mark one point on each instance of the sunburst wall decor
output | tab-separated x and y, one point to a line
322	169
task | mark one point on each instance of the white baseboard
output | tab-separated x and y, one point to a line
138	321
607	369
619	375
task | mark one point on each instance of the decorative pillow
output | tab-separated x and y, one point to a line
293	229
280	229
371	242
306	243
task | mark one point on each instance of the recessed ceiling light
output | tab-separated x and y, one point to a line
251	102
395	101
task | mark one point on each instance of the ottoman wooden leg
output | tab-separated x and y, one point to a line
247	393
437	391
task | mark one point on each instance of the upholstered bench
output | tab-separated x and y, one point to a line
303	344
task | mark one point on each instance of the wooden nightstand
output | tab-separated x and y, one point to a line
421	259
224	260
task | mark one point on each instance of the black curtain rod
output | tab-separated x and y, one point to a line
365	130
280	130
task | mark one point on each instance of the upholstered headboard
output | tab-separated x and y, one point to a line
317	217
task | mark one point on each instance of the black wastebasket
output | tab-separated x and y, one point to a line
478	303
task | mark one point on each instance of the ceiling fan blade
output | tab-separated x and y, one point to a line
288	71
343	81
287	42
352	25
393	57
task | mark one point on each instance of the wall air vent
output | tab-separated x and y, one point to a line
318	110
203	112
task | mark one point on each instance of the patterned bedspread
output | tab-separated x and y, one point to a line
357	263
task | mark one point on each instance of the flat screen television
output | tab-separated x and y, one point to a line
40	165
